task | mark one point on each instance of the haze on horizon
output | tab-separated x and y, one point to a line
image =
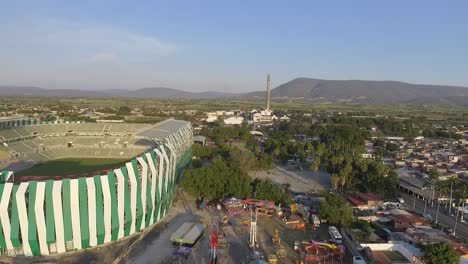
229	47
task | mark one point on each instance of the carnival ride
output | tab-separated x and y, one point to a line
233	206
214	242
319	251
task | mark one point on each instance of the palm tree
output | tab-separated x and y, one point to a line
335	179
314	167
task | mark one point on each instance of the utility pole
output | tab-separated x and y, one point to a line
425	204
437	214
414	200
268	93
458	211
450	201
432	197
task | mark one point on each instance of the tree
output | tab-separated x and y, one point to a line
365	230
196	163
266	190
432	180
441	253
335	210
335	180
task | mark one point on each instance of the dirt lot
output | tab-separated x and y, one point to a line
299	180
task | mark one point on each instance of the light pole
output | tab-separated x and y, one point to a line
456	221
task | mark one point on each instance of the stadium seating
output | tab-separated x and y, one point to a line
9	134
30	145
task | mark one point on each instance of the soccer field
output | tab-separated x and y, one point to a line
71	166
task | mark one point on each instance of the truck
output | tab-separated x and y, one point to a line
315	220
187	234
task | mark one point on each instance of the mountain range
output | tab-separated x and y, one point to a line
353	91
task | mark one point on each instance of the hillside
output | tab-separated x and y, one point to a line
367	92
158	92
353	91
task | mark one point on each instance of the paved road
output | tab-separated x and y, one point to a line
444	219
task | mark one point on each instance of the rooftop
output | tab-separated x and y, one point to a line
162	130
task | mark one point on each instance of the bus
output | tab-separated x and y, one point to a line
335	235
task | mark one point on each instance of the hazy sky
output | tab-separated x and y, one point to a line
230	45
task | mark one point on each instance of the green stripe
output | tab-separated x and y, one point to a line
114	208
32	225
157	195
164	189
84	218
139	216
2	237
149	203
99	210
128	209
171	181
50	218
15	237
66	208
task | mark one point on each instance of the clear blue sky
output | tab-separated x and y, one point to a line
230	45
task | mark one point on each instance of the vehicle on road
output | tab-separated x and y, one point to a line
335	235
358	260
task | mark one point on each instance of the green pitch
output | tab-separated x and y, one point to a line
72	166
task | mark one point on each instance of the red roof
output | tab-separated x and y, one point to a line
460	248
356	201
368	196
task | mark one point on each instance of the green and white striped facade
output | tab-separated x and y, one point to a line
49	217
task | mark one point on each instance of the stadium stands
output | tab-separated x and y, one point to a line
40	143
74	211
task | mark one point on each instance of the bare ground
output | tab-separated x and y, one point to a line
299	180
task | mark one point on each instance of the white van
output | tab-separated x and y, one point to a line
358	260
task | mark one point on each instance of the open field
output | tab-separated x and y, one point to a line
71	166
452	113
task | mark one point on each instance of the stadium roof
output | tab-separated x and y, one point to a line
163	129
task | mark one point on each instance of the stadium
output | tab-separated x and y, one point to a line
70	186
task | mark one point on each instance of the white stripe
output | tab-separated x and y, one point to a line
133	194
92	211
9	174
160	177
40	218
58	216
107	208
167	171
144	182
23	217
4	216
120	200
153	185
75	213
171	165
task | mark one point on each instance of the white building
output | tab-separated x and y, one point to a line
235	120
